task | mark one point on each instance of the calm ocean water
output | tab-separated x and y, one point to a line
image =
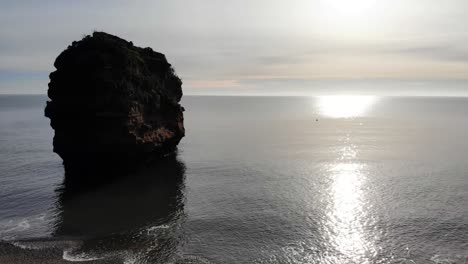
256	180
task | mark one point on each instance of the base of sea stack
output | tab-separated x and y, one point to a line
94	170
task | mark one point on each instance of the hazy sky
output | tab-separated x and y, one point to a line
255	46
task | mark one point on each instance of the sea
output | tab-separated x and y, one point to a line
327	179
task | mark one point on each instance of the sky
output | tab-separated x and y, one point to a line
255	47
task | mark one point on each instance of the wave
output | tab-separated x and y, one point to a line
12	229
70	255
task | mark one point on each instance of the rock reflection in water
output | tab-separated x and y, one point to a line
136	214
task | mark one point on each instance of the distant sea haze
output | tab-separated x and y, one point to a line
338	86
329	179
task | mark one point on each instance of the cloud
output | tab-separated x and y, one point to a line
230	44
436	52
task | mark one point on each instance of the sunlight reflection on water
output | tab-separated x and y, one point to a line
345	106
346	232
348	208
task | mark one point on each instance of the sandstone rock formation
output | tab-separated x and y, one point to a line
113	103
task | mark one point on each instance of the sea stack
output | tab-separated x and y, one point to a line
112	103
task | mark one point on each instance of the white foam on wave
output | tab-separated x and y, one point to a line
25	245
191	259
130	260
41	217
157	227
68	255
24	225
73	255
445	259
11	228
43	244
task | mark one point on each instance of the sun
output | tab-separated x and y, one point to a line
349	9
348	16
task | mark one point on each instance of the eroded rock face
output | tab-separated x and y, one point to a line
113	102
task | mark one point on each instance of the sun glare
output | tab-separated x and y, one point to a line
349	17
348	9
345	106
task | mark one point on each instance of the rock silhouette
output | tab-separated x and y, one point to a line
113	103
